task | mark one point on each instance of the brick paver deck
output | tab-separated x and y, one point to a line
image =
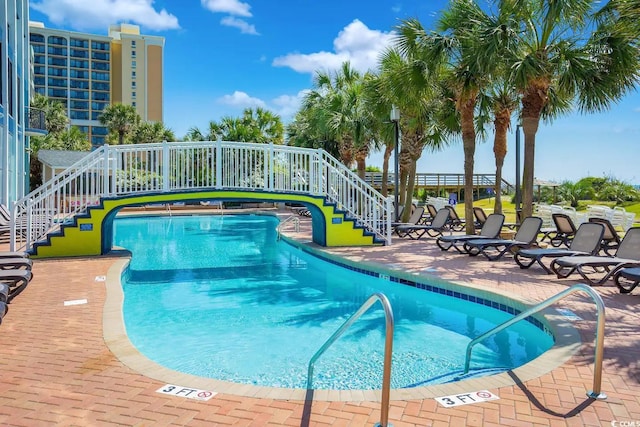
55	368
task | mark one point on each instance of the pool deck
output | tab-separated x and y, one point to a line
56	369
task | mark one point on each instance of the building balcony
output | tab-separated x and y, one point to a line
36	125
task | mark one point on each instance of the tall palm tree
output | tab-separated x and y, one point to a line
454	50
55	115
408	83
266	126
120	119
554	48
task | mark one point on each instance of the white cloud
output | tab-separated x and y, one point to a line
244	26
241	100
232	7
284	105
356	43
99	14
288	105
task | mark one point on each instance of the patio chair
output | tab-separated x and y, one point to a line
4	292
490	229
455	222
586	242
494	249
563	232
415	218
436	228
611	239
3	310
432	212
480	216
627	255
624	275
14	263
17	280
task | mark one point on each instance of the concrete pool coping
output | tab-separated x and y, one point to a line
567	343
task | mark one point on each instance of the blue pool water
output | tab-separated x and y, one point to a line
221	297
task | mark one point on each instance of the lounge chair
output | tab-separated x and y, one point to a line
15	263
564	231
494	249
586	242
17	280
490	229
611	239
4	292
432	212
480	216
455	222
627	255
3	310
415	218
629	274
436	228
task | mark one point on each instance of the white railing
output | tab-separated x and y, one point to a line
114	171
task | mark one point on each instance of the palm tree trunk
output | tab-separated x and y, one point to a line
501	124
406	213
385	169
466	108
533	101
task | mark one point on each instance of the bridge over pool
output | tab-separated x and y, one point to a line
72	214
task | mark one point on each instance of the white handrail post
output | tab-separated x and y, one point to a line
105	170
14	216
165	166
218	163
269	170
320	172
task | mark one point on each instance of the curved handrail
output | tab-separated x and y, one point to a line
388	347
599	352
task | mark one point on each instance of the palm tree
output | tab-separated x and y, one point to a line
120	119
266	126
55	115
453	53
147	132
555	49
408	83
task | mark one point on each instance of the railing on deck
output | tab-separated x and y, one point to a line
113	171
441	180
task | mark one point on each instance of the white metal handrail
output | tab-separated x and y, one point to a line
289	220
596	393
388	350
113	171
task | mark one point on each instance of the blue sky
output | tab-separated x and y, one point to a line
222	56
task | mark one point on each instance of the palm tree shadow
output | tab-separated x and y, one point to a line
572	413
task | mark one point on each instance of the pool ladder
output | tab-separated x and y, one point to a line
388	347
599	352
289	220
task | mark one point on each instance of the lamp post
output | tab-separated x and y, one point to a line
395	118
518	190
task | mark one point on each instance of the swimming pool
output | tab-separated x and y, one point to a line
220	297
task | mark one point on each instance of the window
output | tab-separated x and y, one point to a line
133	84
133	94
133	74
133	64
133	43
79	43
79	53
60	62
57	40
10	78
36	38
133	53
133	104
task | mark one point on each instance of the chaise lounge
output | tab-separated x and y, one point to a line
627	255
586	242
436	228
490	229
494	249
626	275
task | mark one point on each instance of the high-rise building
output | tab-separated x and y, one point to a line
87	72
15	89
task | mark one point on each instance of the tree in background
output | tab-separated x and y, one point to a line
120	119
259	126
59	136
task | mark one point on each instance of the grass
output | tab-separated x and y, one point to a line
509	209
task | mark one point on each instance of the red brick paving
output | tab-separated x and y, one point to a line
56	370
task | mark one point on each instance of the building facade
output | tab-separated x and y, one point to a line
87	72
14	100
